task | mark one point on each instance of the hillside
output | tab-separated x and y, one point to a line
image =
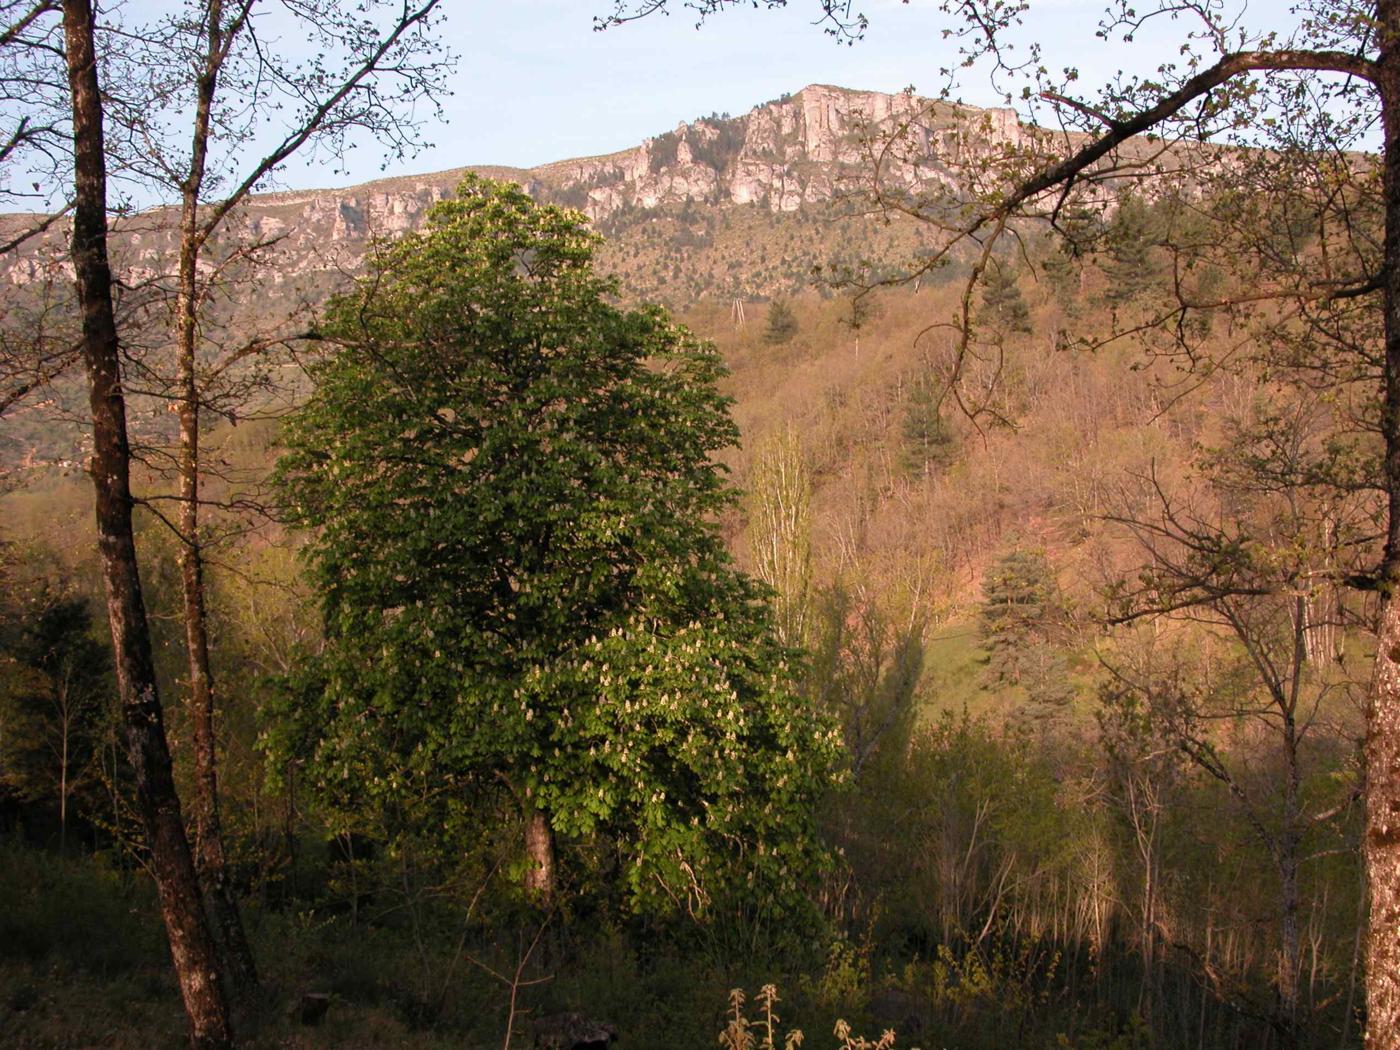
714	219
709	192
1023	847
721	208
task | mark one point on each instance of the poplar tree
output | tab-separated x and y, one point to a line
780	531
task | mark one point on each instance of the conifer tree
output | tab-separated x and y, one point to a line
782	323
1019	599
1003	306
928	443
1130	268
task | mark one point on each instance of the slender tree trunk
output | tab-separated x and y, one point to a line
1143	814
63	786
208	833
1382	749
1290	843
1357	945
1290	859
191	946
1289	951
1147	998
539	851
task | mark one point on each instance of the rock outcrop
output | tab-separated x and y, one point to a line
781	156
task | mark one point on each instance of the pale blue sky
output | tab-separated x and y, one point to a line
536	83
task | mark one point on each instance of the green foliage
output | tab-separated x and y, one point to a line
513	493
78	912
663	150
1004	308
1062	270
865	669
764	1031
1130	267
936	821
961	842
56	697
1020	599
929	443
1018	978
1046	676
717	142
861	311
781	325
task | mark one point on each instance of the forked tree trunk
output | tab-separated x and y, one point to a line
191	946
210	861
539	853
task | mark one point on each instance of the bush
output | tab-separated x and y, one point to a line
79	913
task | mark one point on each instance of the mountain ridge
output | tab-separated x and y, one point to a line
785	155
718	208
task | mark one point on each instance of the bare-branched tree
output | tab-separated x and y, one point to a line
1285	234
198	108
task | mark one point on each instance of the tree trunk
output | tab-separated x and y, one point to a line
191	946
208	833
1290	843
539	852
1289	951
1382	750
1291	853
1147	995
65	723
1382	843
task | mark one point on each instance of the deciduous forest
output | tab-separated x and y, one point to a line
963	615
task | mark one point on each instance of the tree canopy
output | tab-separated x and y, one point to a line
513	492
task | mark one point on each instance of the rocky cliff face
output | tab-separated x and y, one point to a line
783	154
721	207
782	157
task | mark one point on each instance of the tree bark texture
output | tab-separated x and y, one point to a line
539	854
1382	841
208	833
191	946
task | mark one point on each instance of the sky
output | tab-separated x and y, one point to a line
535	83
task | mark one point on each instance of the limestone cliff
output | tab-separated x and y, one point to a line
782	156
720	207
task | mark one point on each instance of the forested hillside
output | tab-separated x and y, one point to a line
867	572
1020	819
727	208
